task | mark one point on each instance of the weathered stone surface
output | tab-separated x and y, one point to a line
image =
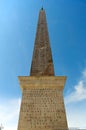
42	106
30	82
42	63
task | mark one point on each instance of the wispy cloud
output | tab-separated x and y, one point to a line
75	103
9	111
79	92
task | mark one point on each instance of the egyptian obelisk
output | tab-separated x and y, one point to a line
42	105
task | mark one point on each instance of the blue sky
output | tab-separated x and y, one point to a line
67	31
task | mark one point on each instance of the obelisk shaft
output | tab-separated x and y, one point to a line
42	63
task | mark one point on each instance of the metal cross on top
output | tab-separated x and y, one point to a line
1	127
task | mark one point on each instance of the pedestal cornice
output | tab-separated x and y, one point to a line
32	82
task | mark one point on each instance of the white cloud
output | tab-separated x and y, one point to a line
76	104
76	119
79	92
9	113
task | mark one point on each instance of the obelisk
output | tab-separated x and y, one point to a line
42	106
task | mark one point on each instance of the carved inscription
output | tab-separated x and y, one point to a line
42	108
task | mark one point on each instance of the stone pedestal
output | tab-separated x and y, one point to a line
42	106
